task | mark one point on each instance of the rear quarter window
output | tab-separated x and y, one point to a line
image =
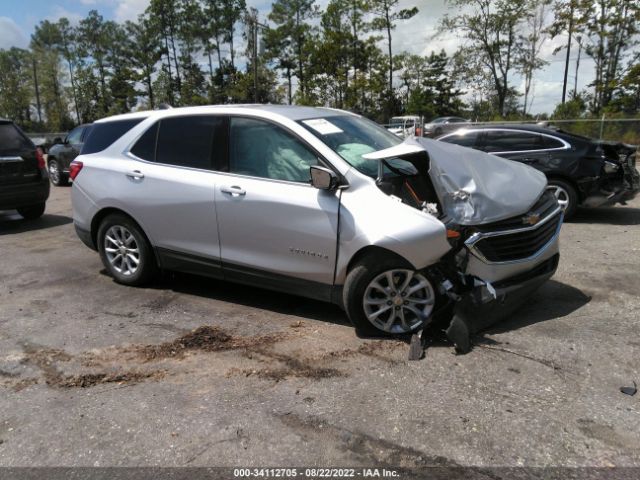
103	135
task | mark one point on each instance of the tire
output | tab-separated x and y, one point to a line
32	211
56	176
376	311
117	234
437	132
566	195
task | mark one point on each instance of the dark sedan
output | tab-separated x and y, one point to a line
580	171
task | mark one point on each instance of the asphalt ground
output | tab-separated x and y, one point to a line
195	372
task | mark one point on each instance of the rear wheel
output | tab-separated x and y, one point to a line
565	194
125	251
32	211
58	178
386	296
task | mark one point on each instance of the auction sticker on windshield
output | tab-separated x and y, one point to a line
322	126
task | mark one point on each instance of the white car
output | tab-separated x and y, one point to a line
320	203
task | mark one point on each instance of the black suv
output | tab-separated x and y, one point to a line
580	171
24	184
62	154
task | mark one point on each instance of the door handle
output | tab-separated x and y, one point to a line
233	190
135	174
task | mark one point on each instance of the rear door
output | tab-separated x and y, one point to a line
168	184
18	162
275	228
522	146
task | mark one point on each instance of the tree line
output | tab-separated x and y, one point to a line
195	52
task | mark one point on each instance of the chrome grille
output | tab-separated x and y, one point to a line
512	240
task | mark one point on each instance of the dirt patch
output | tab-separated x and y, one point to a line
206	339
291	367
378	349
92	379
24	383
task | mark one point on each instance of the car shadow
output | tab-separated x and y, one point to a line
552	301
247	296
12	222
619	215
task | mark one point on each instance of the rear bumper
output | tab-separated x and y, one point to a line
85	237
624	190
24	195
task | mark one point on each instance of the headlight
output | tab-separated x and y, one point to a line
610	167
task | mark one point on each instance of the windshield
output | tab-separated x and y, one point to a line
351	137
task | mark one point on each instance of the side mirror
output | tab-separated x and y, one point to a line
323	178
56	141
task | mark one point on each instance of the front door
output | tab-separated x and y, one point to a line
275	228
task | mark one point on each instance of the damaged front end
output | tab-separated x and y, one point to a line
618	180
501	222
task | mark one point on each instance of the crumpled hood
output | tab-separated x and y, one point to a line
474	187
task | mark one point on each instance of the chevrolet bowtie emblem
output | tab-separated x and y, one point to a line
531	219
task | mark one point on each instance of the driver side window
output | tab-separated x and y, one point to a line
261	149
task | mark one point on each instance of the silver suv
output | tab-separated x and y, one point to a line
320	203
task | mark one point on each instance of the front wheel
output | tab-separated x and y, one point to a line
32	211
565	194
387	297
125	251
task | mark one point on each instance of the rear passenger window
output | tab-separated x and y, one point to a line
550	142
261	149
104	134
511	141
188	141
464	139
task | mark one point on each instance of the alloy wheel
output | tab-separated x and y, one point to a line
561	195
122	250
398	301
54	172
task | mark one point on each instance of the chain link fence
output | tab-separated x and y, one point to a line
625	130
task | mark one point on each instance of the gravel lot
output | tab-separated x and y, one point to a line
195	372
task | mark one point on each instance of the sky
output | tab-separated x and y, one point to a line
418	35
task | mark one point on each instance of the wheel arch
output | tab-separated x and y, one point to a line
569	180
371	250
102	214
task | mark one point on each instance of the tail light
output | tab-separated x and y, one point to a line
40	159
418	132
74	169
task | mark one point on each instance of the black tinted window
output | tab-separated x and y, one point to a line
11	139
464	139
550	142
511	141
104	134
145	147
189	141
261	149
